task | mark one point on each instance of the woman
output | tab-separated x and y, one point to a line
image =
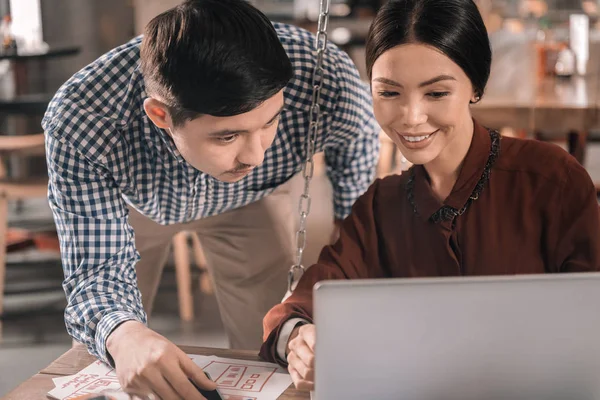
473	204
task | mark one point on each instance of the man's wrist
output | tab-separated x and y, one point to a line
107	326
124	329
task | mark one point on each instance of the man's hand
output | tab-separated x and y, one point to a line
301	357
147	362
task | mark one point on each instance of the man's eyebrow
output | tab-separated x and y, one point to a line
276	115
229	132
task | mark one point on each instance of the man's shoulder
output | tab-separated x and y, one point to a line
110	70
291	33
339	72
299	45
106	94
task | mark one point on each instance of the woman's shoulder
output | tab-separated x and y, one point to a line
389	189
386	192
542	159
392	185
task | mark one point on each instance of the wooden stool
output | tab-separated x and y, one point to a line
181	254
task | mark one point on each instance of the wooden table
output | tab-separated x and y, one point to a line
78	358
516	97
548	107
509	95
20	68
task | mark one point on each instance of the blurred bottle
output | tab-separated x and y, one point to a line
547	49
579	40
565	64
9	42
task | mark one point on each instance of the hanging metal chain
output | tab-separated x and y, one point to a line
297	269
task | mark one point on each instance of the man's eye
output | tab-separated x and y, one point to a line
227	139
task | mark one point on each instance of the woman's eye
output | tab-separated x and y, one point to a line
438	95
387	94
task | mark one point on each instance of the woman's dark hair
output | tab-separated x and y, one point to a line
216	57
454	27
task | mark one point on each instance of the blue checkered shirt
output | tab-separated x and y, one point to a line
104	153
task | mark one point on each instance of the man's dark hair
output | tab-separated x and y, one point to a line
454	27
215	57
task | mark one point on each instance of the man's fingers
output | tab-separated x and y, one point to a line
181	384
195	373
159	385
139	388
135	383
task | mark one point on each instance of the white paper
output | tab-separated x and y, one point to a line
245	380
236	379
95	378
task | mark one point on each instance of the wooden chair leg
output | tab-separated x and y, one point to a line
537	135
577	145
198	252
206	285
182	271
3	231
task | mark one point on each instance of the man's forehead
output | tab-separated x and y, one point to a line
242	123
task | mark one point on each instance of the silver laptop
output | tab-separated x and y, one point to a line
487	338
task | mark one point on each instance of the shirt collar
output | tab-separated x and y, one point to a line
159	136
168	142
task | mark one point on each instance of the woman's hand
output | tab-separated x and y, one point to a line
301	357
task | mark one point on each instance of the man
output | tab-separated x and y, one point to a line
198	127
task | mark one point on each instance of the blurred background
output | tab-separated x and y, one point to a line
544	86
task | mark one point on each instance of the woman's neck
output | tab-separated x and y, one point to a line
443	171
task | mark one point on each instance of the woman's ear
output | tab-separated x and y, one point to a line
475	99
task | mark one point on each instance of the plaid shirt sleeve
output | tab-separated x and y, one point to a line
97	243
352	152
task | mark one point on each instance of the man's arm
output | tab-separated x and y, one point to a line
104	304
352	148
97	247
